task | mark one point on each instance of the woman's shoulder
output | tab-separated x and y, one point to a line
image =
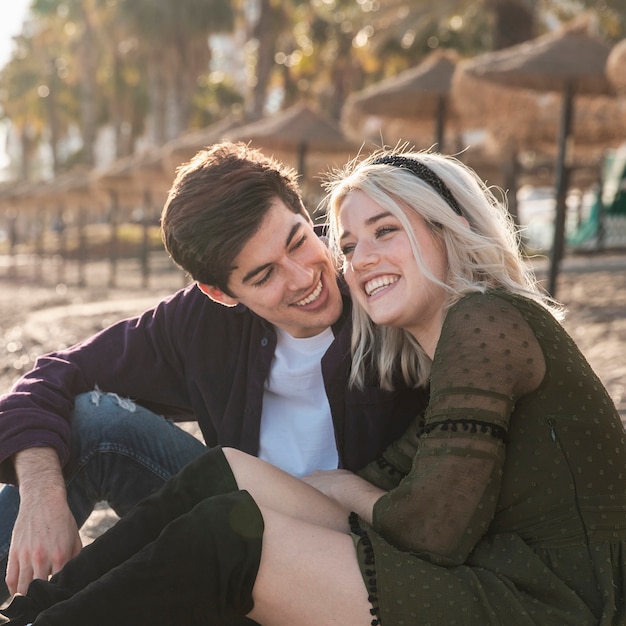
501	306
499	300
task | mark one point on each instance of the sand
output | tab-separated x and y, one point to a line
36	318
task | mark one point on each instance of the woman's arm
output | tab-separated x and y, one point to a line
351	491
487	358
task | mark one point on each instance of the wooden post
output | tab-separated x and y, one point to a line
113	252
145	240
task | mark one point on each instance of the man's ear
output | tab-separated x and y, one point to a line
217	295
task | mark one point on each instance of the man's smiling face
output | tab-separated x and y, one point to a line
285	274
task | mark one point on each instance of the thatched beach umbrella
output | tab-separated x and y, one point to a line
528	120
183	148
136	184
16	196
130	177
16	204
616	72
616	66
521	126
66	199
420	93
116	179
152	175
300	130
570	61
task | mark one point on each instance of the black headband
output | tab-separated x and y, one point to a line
421	171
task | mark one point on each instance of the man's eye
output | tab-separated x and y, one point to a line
299	243
263	279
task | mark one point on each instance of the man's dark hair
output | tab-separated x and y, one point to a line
217	203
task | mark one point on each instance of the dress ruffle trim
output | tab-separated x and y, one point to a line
383	464
370	569
468	425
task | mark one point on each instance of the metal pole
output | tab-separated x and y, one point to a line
440	122
562	176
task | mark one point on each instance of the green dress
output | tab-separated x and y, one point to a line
506	501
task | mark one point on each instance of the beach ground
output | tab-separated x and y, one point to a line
37	318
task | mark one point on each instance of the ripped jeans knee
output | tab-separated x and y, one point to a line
121	451
96	395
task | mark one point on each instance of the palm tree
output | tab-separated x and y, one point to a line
174	41
36	95
73	24
274	18
20	104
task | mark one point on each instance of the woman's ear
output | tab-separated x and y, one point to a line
217	295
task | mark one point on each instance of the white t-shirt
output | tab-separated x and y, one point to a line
297	432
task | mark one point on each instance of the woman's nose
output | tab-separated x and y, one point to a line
363	255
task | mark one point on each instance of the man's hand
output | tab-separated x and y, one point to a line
45	536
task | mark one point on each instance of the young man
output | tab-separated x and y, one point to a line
261	364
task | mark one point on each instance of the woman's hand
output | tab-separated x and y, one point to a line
348	489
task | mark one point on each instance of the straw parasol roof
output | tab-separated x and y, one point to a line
298	130
131	176
529	120
568	56
184	147
16	195
411	94
616	66
116	181
417	94
569	61
69	190
288	129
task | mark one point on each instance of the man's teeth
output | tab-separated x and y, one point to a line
312	297
375	285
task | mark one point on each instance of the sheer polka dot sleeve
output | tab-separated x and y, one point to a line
486	359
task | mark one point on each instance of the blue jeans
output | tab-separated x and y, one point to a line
121	453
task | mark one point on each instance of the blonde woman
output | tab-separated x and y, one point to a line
506	501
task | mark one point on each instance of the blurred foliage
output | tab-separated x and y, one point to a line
147	70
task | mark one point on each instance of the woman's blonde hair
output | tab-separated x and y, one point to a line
482	257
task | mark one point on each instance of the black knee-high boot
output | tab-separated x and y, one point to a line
200	571
206	476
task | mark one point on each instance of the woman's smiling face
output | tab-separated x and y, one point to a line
383	273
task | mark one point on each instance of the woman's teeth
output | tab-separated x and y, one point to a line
375	285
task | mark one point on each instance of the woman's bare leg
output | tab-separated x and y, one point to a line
273	488
309	572
309	575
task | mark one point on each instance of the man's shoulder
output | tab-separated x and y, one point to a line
191	307
192	297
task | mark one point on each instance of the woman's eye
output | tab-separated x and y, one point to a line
347	250
385	230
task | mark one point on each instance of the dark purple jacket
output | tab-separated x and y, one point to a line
192	359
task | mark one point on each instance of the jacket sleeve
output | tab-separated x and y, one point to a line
140	357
